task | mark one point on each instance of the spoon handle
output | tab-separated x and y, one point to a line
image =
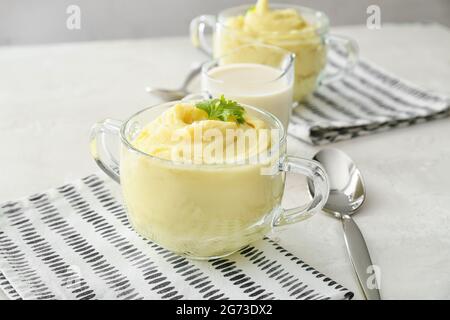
360	258
191	75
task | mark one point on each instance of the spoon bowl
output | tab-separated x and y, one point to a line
176	94
167	94
347	190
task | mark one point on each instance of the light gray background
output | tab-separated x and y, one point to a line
44	21
50	95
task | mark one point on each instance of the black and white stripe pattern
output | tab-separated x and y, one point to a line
75	242
365	101
8	289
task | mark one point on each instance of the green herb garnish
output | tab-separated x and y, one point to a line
222	109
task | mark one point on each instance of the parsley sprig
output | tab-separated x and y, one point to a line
222	109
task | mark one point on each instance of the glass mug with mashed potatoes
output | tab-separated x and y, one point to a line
193	206
300	30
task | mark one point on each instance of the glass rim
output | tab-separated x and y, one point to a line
322	28
206	66
129	145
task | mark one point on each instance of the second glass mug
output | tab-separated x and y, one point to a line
310	48
203	211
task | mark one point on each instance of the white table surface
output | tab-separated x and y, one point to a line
50	95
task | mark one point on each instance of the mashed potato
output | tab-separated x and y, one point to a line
197	210
285	28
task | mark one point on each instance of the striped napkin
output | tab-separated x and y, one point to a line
365	101
75	242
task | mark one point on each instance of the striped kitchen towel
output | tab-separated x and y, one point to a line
75	242
365	101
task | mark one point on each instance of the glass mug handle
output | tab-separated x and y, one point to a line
99	149
317	175
197	28
350	50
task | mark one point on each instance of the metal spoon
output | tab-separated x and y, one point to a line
347	194
176	94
